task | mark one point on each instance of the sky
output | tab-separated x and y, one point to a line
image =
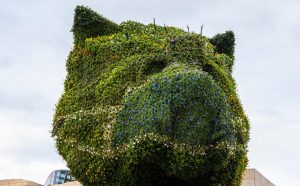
35	40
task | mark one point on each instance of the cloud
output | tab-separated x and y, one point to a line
35	41
27	151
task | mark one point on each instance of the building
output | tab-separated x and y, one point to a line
59	177
18	182
254	178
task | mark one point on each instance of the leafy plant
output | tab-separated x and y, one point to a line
150	104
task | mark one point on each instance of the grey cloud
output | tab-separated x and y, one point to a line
29	102
35	40
31	149
6	61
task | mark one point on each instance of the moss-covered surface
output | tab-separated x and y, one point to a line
150	105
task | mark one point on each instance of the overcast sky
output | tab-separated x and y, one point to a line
35	40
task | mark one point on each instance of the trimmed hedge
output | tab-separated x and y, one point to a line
224	44
88	23
150	104
183	104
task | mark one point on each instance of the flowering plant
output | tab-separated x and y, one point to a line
150	104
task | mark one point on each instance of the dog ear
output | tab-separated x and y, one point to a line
88	23
224	43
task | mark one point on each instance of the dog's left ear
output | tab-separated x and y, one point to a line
88	23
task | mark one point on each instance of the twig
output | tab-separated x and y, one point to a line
201	30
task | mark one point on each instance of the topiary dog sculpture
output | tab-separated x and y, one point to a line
150	105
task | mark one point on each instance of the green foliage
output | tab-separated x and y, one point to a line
224	44
88	23
181	103
149	104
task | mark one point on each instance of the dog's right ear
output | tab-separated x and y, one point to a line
224	43
88	23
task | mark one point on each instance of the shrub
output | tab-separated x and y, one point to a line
224	44
150	104
88	23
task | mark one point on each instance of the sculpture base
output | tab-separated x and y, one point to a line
251	178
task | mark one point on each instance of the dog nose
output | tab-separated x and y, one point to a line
183	104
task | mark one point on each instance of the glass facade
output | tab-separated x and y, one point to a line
59	177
